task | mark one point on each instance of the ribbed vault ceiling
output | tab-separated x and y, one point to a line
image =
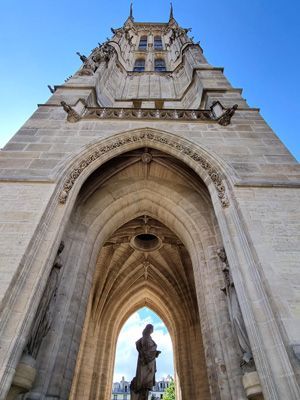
121	267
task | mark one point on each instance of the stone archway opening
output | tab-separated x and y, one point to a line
126	353
156	215
143	232
157	274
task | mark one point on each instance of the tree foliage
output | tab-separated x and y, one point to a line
169	393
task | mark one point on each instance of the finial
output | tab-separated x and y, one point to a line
171	12
131	11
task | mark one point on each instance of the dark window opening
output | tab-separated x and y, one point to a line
158	43
139	66
143	43
160	65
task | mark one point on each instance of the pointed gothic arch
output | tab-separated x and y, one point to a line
208	165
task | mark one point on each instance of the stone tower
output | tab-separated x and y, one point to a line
146	179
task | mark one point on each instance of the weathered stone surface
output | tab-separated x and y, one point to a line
196	185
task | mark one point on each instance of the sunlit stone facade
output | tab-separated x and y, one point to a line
147	180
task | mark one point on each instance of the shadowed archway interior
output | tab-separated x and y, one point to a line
145	230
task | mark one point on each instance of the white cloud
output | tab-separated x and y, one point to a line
126	353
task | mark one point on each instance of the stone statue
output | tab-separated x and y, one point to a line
235	313
144	380
103	53
228	114
73	116
44	315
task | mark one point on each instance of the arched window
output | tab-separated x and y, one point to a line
139	65
143	43
158	43
159	65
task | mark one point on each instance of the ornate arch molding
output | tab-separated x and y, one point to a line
207	165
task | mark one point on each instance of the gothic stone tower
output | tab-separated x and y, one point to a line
146	179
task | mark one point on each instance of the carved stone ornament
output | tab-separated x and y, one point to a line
151	137
103	53
225	119
87	69
73	116
165	114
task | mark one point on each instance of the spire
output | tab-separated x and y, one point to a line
171	12
131	11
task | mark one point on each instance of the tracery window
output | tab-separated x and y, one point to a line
143	43
159	65
158	43
139	65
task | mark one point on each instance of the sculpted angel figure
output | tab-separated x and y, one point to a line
144	380
45	312
235	312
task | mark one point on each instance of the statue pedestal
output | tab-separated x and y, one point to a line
24	377
252	386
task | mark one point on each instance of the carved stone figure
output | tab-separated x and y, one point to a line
103	53
44	315
73	116
89	67
228	114
144	380
235	313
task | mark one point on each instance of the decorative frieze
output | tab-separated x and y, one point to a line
143	113
214	175
152	114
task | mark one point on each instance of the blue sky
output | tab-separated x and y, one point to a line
126	354
256	41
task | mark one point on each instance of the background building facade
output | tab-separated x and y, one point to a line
121	390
